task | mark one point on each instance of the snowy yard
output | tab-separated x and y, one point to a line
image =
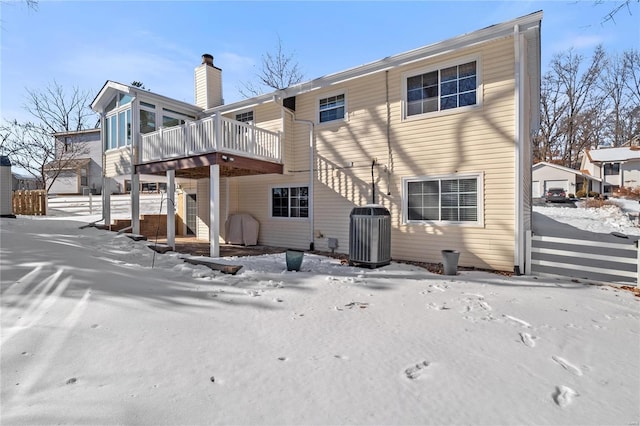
91	334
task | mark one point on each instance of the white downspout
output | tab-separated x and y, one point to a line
519	134
312	160
135	178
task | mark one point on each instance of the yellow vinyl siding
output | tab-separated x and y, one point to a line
479	139
202	197
472	140
117	162
252	195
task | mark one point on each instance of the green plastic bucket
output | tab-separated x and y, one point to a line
294	259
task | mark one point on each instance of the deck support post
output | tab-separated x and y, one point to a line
135	203
214	210
171	209
106	202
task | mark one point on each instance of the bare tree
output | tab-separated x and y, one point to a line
59	110
570	99
279	71
619	101
621	5
31	145
632	72
552	107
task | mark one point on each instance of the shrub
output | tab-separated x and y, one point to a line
629	193
581	193
572	196
598	203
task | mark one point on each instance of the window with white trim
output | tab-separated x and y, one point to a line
454	199
438	90
290	201
611	169
245	117
331	108
118	122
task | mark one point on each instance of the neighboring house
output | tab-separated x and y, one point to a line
548	175
23	183
440	135
616	167
78	165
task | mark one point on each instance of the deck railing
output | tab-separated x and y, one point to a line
212	134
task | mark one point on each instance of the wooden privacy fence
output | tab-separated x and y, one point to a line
30	202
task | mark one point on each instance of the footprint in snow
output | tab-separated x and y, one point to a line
528	339
567	365
517	320
564	395
415	371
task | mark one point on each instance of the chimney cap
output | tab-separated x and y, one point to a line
207	59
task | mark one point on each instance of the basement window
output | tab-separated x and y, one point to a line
452	199
290	201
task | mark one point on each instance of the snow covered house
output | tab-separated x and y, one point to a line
616	167
439	135
77	167
548	175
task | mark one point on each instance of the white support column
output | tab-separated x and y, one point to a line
106	202
214	210
135	203
171	208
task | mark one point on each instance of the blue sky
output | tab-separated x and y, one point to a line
84	43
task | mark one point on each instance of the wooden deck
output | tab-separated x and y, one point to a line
195	247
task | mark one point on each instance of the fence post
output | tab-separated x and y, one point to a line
637	264
90	203
527	262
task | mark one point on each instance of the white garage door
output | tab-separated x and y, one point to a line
536	189
564	184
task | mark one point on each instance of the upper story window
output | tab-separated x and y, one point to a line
147	117
245	117
611	169
438	90
453	199
332	108
290	201
118	122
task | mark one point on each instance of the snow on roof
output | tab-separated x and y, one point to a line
613	154
583	173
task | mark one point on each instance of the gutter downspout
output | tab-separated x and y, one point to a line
519	120
312	160
135	193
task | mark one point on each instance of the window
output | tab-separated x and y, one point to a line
290	201
245	117
118	129
332	108
611	169
453	199
439	90
171	121
147	121
118	122
83	177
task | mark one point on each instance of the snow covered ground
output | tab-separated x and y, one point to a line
92	334
603	220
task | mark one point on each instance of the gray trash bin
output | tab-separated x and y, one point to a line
450	261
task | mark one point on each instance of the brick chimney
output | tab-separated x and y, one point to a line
208	84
